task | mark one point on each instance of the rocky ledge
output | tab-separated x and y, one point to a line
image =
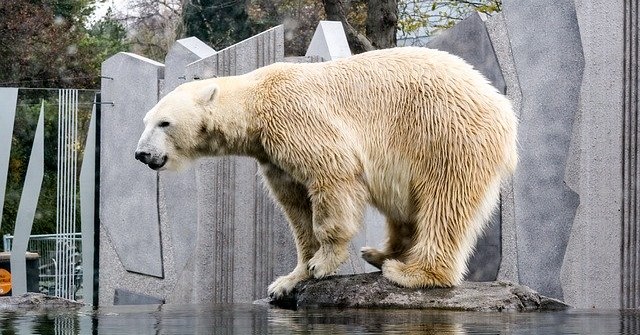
372	290
35	301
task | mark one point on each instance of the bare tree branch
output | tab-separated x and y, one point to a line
335	11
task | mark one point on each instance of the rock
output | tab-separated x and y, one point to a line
35	301
372	290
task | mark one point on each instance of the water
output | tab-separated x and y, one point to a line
254	319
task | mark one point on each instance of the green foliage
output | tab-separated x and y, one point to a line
49	44
46	44
104	39
220	23
27	113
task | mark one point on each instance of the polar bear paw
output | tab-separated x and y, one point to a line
373	256
325	262
417	275
283	285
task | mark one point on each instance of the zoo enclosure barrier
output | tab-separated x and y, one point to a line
48	180
56	249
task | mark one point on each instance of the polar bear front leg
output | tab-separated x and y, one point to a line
337	217
293	198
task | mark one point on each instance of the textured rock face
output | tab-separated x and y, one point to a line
35	301
372	290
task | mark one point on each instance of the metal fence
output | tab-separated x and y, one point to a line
66	173
56	250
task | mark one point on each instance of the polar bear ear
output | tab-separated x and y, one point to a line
208	93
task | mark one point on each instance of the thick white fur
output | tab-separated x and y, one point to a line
416	132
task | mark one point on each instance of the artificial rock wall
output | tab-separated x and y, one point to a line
567	224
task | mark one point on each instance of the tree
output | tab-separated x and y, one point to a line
385	20
381	22
46	44
220	23
369	24
420	19
104	38
299	17
153	26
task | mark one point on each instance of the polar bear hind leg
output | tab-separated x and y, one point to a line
399	240
443	242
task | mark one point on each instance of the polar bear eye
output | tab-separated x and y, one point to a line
164	124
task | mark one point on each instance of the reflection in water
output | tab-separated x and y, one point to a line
7	323
363	321
254	319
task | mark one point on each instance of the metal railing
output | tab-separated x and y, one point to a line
69	251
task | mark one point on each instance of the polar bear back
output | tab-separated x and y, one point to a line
414	117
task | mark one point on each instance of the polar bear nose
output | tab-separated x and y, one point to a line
144	157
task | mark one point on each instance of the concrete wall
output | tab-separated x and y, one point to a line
567	228
209	233
567	222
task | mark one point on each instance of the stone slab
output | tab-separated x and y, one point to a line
329	41
549	62
182	52
8	102
87	183
126	297
372	290
485	262
179	190
36	301
631	172
595	152
128	189
469	39
496	27
246	56
27	209
113	275
243	241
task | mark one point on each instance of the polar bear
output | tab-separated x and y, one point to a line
417	133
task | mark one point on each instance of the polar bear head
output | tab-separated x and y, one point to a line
185	124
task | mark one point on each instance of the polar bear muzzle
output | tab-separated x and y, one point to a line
154	162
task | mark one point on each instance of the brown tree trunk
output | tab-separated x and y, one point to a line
382	19
335	11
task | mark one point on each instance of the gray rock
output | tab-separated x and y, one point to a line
549	62
35	301
469	39
372	290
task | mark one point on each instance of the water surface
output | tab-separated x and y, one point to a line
255	319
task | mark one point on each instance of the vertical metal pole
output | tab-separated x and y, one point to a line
96	204
58	184
74	178
63	245
67	247
67	147
60	190
67	166
65	210
59	178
